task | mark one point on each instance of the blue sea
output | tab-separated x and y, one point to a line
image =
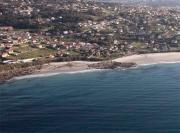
138	100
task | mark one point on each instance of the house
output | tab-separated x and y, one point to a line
65	32
6	28
9	62
40	46
10	51
174	41
4	55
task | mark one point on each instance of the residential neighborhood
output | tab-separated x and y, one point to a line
84	29
89	66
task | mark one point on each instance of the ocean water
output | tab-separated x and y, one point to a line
140	100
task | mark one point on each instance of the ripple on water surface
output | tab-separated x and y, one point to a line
141	100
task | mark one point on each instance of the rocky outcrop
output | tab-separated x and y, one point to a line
11	71
111	65
6	75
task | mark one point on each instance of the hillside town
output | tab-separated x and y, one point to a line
83	30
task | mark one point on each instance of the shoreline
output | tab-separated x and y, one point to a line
152	58
49	74
83	66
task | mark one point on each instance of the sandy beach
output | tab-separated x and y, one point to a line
143	59
61	67
83	66
154	58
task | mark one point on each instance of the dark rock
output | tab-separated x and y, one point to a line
112	65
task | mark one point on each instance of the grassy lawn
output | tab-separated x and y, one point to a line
23	48
36	53
25	51
33	53
73	53
68	38
178	37
138	45
175	49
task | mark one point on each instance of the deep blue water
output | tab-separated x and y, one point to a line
142	100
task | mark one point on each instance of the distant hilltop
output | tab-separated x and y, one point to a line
147	2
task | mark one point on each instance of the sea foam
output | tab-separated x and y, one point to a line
162	62
49	74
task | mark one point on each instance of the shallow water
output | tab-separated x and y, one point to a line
141	100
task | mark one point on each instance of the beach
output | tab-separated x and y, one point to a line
60	67
55	68
143	59
153	58
108	101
